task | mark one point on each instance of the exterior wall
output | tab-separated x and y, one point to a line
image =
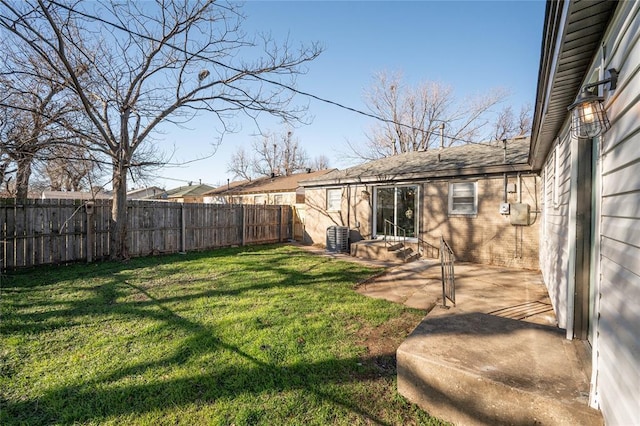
618	343
555	225
488	236
615	248
356	203
288	198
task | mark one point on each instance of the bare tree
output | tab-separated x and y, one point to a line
274	154
70	168
5	159
34	108
290	156
507	126
525	120
241	164
320	162
412	118
153	63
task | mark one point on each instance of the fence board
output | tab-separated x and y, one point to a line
42	232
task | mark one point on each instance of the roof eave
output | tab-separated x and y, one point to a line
563	67
431	175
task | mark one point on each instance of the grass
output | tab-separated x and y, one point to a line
241	336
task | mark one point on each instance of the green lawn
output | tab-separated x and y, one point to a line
261	335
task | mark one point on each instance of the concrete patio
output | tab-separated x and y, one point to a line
496	357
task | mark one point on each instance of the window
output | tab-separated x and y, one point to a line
463	198
277	199
334	197
258	199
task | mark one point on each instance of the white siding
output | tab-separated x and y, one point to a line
618	343
554	243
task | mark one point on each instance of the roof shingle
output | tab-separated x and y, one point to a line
267	184
460	160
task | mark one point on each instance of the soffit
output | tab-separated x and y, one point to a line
568	48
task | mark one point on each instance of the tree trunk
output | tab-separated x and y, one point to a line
3	173
22	176
118	239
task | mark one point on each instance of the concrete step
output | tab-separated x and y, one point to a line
395	247
406	254
378	250
480	369
412	257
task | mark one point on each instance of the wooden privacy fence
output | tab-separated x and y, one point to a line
44	232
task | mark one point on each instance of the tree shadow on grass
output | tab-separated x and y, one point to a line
98	401
48	275
64	314
106	396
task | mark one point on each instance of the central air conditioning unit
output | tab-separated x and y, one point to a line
338	239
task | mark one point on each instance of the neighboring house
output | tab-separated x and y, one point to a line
590	222
148	193
277	190
460	193
187	194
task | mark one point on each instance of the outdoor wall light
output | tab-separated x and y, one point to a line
588	117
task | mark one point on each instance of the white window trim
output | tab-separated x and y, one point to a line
475	200
329	206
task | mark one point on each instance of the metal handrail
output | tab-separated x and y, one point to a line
447	259
422	244
395	227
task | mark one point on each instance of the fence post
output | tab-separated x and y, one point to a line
90	231
244	224
280	217
183	229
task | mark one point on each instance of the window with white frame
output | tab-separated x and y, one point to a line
277	199
463	198
258	199
334	197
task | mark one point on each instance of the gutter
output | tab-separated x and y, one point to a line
439	174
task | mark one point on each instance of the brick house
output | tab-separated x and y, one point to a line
482	198
277	190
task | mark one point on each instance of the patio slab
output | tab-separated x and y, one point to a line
496	357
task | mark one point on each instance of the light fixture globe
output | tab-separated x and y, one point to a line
588	117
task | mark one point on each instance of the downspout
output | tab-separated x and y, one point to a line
520	228
504	187
519	187
504	175
571	270
594	397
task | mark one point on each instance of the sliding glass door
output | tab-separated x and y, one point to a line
398	205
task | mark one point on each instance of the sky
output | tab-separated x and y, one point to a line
472	46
